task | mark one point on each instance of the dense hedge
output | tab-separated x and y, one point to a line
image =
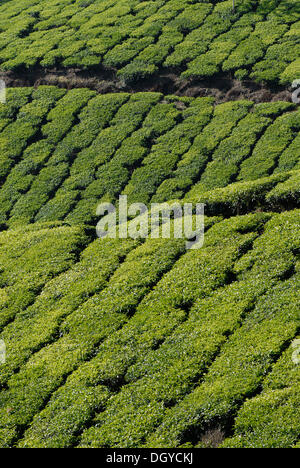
119	336
131	343
137	39
248	355
75	149
271	419
280	191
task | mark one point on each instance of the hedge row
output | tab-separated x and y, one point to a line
280	191
289	158
196	273
167	151
94	116
136	39
269	148
252	149
85	149
248	355
147	364
29	258
60	297
16	136
108	179
165	375
225	117
59	121
271	420
15	99
231	152
281	59
82	171
93	167
80	333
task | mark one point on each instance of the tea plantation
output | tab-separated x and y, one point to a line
134	343
136	39
141	343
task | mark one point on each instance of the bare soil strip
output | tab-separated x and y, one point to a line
222	88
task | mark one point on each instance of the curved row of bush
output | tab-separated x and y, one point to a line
30	257
141	342
67	336
65	152
249	354
72	335
138	38
135	364
225	312
271	419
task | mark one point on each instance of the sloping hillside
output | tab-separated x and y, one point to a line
140	342
131	343
134	39
62	153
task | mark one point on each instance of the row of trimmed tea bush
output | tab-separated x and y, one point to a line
163	376
59	121
136	39
248	355
156	317
269	148
59	297
89	388
86	149
94	116
30	257
15	99
226	160
15	136
167	151
271	420
105	162
277	192
80	332
210	141
238	156
192	163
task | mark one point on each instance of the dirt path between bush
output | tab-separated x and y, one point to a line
222	88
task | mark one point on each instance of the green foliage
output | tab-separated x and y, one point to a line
130	343
136	39
230	153
30	257
167	150
271	420
193	162
250	351
152	148
107	310
243	197
268	150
